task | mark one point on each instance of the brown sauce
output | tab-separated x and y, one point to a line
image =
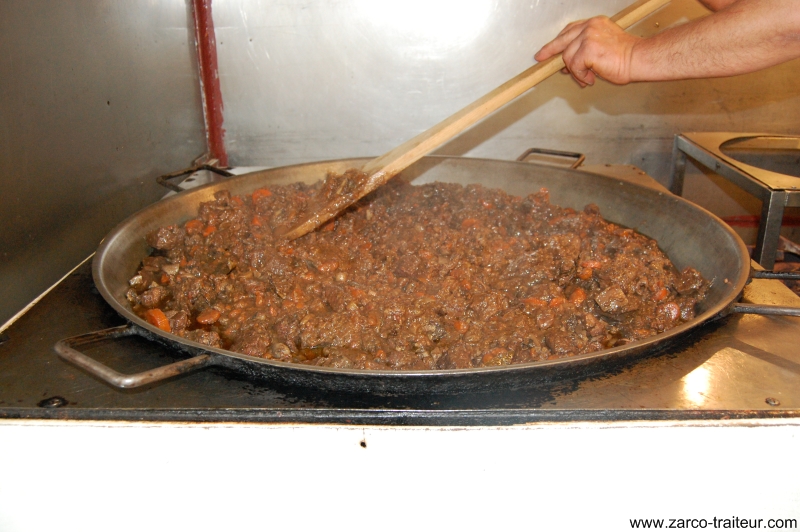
437	276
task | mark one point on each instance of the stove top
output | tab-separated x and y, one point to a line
743	366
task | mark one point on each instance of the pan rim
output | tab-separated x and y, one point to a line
712	313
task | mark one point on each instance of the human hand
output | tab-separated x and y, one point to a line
593	47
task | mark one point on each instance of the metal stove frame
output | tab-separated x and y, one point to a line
775	190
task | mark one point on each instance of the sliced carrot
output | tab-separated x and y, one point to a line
328	227
585	274
591	264
164	278
256	220
490	356
357	292
661	294
209	229
156	317
194	226
208	316
469	222
578	296
557	301
261	193
460	326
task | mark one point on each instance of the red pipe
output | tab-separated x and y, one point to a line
209	80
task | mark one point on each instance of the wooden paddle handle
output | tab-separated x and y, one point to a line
388	165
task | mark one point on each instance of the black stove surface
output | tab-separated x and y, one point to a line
741	367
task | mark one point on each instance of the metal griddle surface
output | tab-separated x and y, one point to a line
725	370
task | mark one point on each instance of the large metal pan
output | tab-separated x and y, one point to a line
689	235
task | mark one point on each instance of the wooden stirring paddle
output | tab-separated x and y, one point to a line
378	171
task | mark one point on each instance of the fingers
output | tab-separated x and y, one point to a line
578	62
557	45
592	48
568	43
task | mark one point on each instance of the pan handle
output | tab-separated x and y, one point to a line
768	310
579	157
767	274
164	180
66	349
765	310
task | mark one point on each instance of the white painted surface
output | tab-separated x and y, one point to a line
589	476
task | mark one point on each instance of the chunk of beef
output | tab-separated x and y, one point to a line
165	238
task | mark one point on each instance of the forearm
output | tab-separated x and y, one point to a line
716	5
746	36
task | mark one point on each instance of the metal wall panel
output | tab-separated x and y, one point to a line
96	99
316	79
